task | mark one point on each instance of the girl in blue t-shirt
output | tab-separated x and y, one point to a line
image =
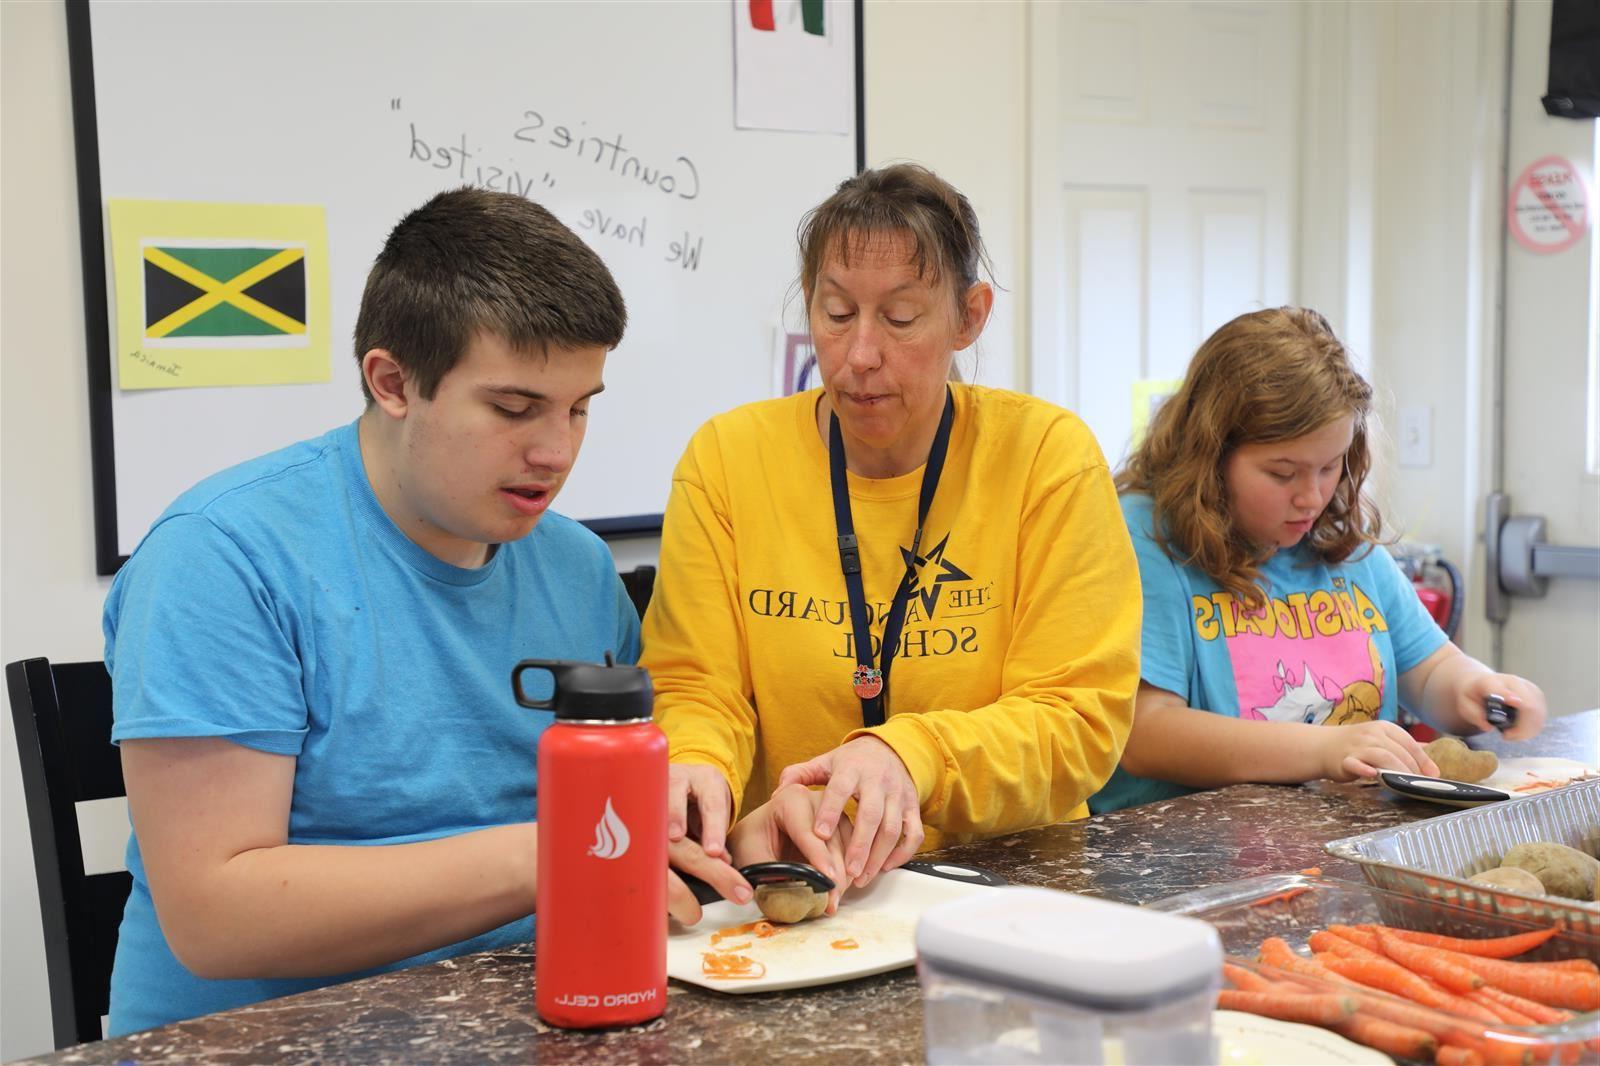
1279	636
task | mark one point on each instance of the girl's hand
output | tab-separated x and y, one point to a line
1348	752
1518	692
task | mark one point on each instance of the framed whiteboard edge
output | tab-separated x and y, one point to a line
97	327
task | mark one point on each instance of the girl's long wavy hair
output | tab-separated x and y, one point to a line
1266	376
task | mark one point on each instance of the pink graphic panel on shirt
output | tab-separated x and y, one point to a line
1306	657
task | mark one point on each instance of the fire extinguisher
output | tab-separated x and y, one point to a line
1437	601
1443	603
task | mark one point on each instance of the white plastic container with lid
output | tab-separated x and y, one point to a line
1025	975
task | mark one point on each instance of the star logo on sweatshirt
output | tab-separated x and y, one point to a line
931	571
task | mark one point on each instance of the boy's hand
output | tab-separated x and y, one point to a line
1348	752
689	857
712	798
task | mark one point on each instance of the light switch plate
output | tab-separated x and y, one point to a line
1416	436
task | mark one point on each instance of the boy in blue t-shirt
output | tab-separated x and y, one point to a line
327	772
1279	638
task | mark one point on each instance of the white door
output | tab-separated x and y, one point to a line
1164	189
1550	391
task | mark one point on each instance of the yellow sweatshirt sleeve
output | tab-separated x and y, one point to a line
1055	733
693	639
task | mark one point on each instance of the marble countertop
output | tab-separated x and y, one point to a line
479	1008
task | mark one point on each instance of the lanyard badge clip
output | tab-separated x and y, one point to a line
849	554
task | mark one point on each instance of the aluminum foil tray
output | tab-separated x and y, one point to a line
1433	858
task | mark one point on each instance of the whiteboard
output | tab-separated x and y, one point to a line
346	105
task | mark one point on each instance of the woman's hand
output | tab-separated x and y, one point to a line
691	858
707	821
1519	693
784	829
888	820
1348	752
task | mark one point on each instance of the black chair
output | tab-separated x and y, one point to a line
640	582
63	719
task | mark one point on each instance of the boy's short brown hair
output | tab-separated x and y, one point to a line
470	261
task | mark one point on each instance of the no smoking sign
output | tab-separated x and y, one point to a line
1549	206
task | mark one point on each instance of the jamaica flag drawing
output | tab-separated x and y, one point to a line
215	294
223	293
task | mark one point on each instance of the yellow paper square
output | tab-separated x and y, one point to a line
1149	394
220	294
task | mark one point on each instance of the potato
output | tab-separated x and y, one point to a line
1458	762
790	901
1510	878
1562	870
1597	887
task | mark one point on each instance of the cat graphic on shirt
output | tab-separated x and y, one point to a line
1318	700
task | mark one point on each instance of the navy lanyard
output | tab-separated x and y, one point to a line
871	683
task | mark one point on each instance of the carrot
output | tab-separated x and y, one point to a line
1553	988
1301	967
847	944
1280	897
1500	947
1247	980
1573	965
1357	935
730	967
1312	871
1429	963
1540	1013
1331	942
1579	966
1414	1016
1387	976
1389	1038
760	927
1508	1014
1451	1055
1324	1010
1492	1052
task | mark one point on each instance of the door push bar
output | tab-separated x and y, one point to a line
1520	562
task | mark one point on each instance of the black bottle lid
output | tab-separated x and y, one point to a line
589	692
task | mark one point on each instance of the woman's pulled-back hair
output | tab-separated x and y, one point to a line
1266	376
900	200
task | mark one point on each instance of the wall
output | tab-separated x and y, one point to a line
947	87
50	602
1435	254
961	113
1401	175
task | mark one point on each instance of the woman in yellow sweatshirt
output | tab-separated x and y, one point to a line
975	532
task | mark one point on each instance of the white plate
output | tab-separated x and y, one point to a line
881	919
1251	1040
1523	771
1241	1040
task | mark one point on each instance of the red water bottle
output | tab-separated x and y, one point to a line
600	941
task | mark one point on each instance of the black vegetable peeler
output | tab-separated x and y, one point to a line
772	873
762	873
1499	713
759	873
1441	790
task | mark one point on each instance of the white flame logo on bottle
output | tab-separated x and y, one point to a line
610	835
